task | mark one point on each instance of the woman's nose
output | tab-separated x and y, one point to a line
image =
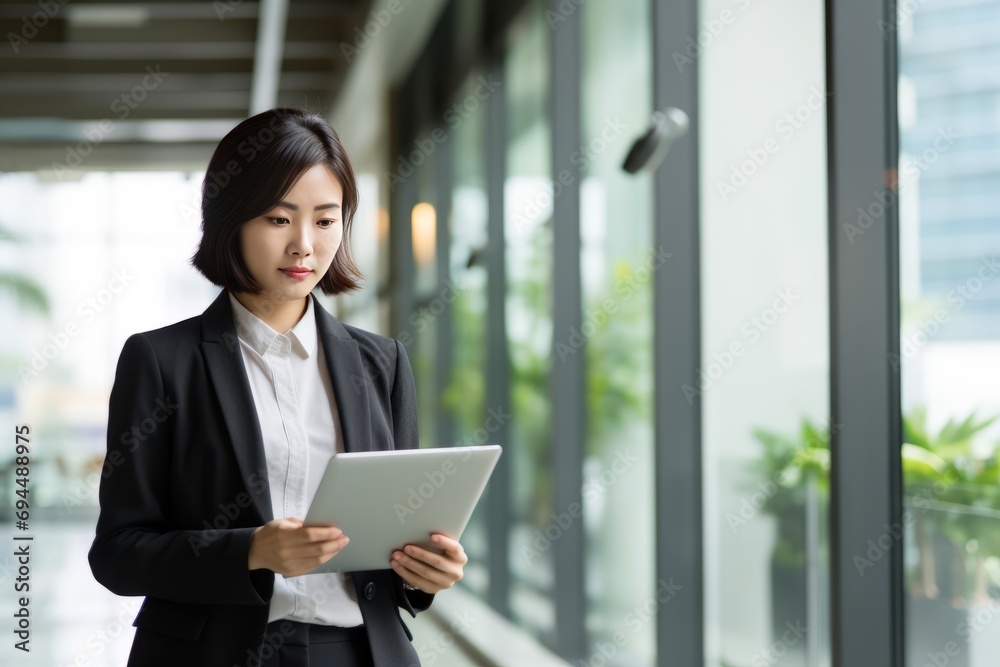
301	241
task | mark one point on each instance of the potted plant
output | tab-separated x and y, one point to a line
952	495
796	470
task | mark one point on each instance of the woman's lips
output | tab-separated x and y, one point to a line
296	275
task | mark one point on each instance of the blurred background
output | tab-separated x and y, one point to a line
652	349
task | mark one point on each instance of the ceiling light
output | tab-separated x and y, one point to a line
107	16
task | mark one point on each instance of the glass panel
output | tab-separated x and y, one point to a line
617	263
114	264
422	323
949	117
764	375
464	397
528	232
109	272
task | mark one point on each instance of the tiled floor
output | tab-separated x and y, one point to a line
76	622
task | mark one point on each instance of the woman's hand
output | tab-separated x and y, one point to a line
429	571
287	547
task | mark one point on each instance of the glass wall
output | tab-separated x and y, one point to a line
528	238
113	248
764	375
949	357
114	265
464	397
617	265
423	323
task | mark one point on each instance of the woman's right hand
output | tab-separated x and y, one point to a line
287	547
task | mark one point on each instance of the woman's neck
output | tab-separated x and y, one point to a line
279	315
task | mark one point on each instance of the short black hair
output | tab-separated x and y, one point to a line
252	169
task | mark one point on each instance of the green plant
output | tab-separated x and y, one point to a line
618	354
29	293
791	464
528	303
952	489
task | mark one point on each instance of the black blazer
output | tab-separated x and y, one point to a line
184	486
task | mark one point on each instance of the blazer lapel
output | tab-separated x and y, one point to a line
221	350
349	380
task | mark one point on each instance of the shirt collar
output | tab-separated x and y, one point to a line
260	336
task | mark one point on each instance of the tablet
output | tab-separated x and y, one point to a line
384	500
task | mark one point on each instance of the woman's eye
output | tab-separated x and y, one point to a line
278	220
327	223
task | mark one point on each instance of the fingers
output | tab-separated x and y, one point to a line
417	554
451	560
309	548
288	547
450	545
414	579
426	570
308	558
321	533
299	532
295	567
427	579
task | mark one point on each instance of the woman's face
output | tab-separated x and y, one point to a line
289	249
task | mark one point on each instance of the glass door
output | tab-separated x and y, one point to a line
949	360
764	375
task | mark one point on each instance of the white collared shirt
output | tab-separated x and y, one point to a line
300	425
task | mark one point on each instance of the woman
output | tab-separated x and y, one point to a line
220	427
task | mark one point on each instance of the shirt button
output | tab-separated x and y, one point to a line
370	590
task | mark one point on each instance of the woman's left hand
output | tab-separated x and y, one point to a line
429	571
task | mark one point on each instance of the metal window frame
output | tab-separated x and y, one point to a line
567	373
677	355
445	340
866	429
497	355
402	266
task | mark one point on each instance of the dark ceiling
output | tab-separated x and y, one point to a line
71	65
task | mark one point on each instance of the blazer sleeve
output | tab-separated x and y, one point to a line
138	550
403	403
